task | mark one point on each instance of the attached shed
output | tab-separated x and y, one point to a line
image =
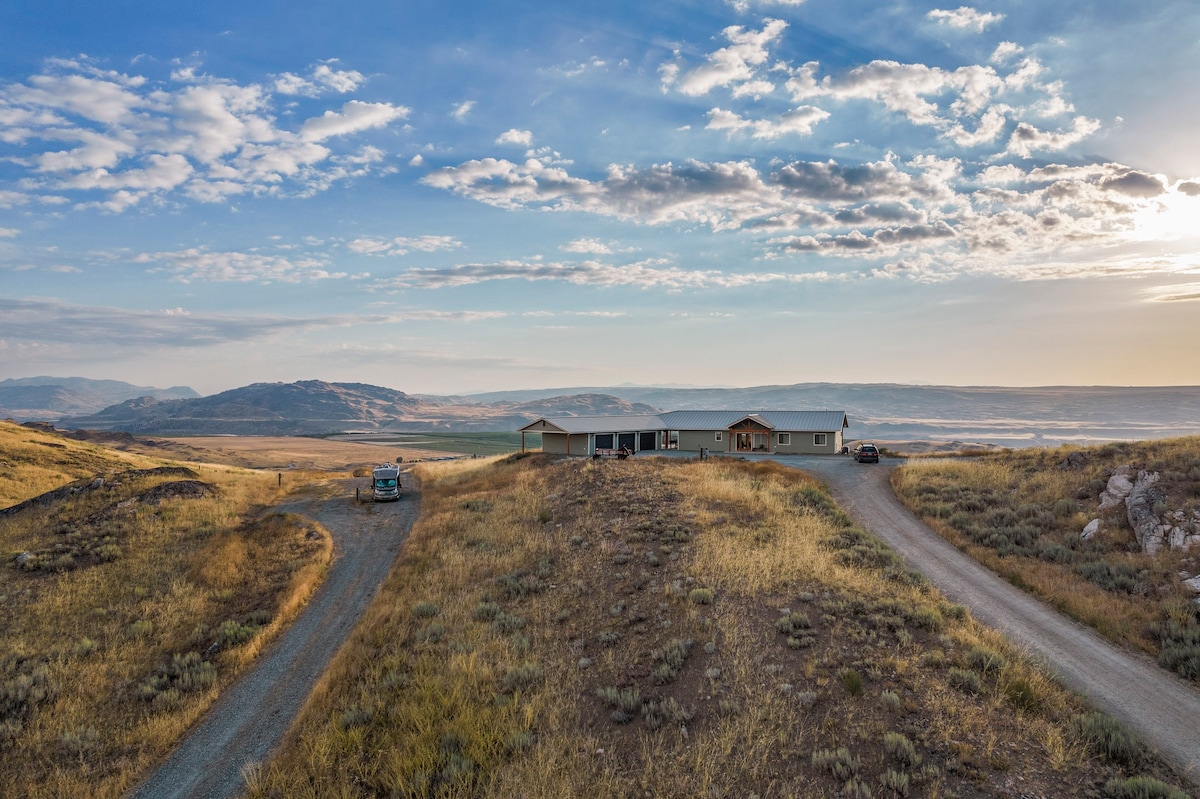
778	432
583	435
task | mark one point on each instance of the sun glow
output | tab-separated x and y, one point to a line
1169	217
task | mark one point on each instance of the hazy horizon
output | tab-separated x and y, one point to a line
462	199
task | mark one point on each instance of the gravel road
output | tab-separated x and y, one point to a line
250	719
1163	710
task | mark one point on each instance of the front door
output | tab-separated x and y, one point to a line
745	442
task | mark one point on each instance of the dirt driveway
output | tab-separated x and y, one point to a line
250	719
1163	710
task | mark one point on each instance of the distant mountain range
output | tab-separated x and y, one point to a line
50	398
314	407
1005	416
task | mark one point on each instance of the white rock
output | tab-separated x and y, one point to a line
1193	584
1090	530
1119	486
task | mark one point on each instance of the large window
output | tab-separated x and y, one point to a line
819	439
785	439
604	441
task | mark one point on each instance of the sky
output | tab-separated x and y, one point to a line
462	197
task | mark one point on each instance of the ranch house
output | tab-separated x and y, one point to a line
773	432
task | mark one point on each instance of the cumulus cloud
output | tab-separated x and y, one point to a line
114	140
965	18
202	265
462	110
355	116
737	65
402	245
523	138
588	246
799	121
322	78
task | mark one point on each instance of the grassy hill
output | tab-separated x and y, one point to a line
130	596
1021	513
679	629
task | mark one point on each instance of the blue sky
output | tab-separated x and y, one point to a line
452	197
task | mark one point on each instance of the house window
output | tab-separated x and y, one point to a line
604	441
785	439
718	435
819	439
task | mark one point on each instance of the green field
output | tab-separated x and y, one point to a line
481	444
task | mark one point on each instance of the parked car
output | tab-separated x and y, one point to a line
866	453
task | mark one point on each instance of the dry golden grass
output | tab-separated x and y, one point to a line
1020	513
132	574
534	596
32	462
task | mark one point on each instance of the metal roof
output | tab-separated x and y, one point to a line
602	424
793	421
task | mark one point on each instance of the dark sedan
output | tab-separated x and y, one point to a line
866	453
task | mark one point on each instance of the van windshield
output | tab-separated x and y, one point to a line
386	482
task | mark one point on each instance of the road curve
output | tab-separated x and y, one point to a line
1162	709
251	717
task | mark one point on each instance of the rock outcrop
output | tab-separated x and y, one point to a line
1140	506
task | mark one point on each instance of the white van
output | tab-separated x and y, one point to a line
385	486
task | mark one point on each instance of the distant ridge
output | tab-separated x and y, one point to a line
51	398
1017	417
314	407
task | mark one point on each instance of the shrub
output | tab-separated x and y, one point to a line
900	749
426	610
852	681
486	611
626	702
1022	693
430	634
985	661
1104	736
234	633
838	762
141	628
965	681
660	712
890	701
520	677
1142	788
894	783
670	658
1119	577
701	596
79	742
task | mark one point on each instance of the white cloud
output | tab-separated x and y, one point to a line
799	121
736	64
113	140
964	18
643	275
742	6
355	116
523	138
1027	139
9	233
322	78
462	110
201	265
587	246
403	245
